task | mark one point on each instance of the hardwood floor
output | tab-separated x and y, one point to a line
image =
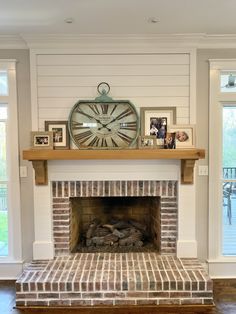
224	295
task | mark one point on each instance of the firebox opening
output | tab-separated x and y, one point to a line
115	224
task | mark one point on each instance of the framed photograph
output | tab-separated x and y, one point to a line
169	141
60	133
184	135
147	142
155	121
41	140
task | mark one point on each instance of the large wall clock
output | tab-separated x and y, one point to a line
103	122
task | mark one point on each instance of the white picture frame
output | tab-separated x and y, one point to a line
184	135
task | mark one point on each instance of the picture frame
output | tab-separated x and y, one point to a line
170	140
60	133
155	121
41	140
147	142
184	135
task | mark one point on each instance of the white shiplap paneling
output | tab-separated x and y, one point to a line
111	59
128	80
147	80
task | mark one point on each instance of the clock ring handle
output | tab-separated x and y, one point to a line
103	88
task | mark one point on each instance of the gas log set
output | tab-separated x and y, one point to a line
115	233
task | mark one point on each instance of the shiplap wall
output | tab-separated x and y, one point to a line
147	80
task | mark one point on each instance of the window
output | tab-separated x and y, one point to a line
222	168
229	180
228	82
10	220
3	83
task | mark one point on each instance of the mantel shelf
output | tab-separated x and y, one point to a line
39	158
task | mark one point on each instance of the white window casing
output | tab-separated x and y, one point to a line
219	266
11	265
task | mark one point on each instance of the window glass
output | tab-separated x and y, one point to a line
3	220
229	180
3	83
3	184
3	112
3	168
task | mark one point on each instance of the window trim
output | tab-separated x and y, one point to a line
14	212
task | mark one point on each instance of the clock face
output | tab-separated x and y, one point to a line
103	125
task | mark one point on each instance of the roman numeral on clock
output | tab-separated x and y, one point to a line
129	126
124	114
104	108
114	108
94	142
83	137
84	113
94	108
104	142
78	125
125	137
114	144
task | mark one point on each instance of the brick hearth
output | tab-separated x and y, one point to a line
89	279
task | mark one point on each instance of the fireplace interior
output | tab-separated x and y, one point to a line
115	224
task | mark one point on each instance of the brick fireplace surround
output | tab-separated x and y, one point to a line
112	279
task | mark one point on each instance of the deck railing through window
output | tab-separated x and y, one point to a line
3	199
229	189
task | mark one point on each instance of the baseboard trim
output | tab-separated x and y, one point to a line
10	270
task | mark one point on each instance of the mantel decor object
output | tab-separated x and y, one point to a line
147	142
41	140
103	123
155	121
184	135
60	133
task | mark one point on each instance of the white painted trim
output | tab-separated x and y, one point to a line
10	270
33	88
219	266
14	210
193	87
43	250
120	42
186	244
43	244
222	269
186	249
12	42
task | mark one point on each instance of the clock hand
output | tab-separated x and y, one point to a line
88	115
122	115
104	126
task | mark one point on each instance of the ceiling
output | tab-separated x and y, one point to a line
117	17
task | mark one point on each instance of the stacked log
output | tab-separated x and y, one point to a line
115	233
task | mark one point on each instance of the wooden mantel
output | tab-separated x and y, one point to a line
39	158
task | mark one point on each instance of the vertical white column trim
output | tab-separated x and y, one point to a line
193	87
34	94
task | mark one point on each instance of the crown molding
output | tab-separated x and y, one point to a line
12	42
122	43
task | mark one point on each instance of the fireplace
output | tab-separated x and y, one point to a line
59	277
148	204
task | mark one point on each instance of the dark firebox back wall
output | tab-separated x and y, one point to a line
143	210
